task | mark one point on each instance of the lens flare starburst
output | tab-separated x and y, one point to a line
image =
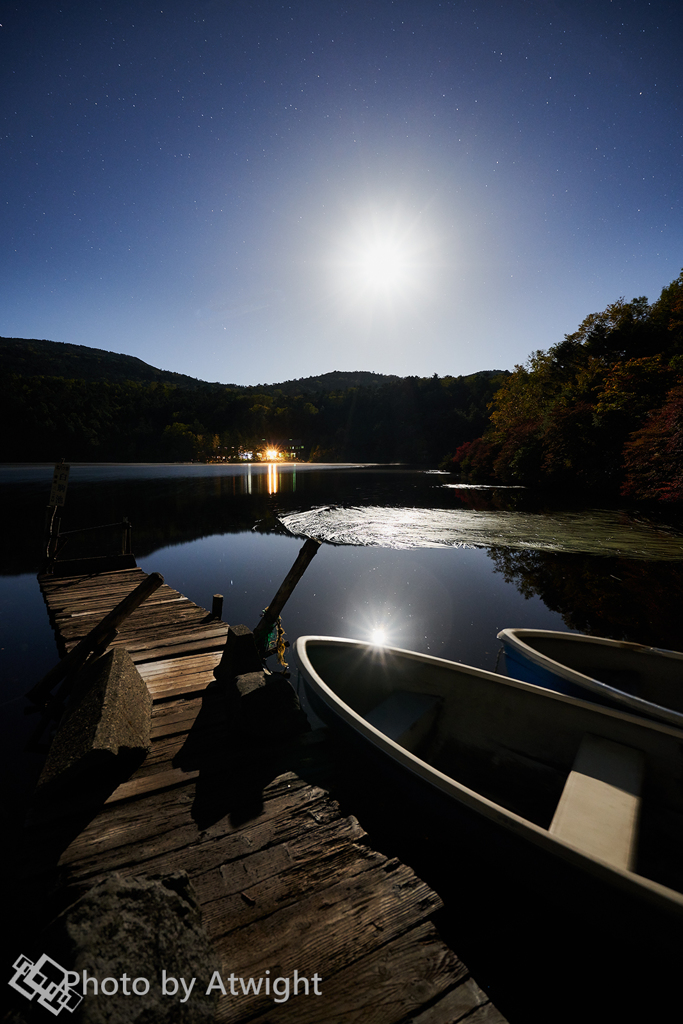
382	257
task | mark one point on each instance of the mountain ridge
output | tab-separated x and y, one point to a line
32	357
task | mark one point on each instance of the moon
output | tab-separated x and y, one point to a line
380	257
384	265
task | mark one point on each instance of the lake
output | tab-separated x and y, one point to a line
431	566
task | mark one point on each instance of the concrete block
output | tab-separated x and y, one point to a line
267	706
240	654
139	927
249	682
107	720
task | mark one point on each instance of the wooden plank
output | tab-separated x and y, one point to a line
147	622
206	862
86	603
279	891
457	1005
292	886
327	931
179	649
170	667
169	691
390	985
211	632
79	598
160	756
79	603
139	830
100	579
334	839
62	591
97	636
151	783
284	881
170	678
174	717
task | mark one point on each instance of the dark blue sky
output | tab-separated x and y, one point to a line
254	191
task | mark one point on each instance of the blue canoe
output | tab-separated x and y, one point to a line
635	678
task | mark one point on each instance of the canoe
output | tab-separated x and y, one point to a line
638	679
594	790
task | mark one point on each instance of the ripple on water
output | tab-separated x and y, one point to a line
596	532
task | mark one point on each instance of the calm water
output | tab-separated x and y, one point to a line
436	568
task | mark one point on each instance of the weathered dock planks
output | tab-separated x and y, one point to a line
175	643
286	882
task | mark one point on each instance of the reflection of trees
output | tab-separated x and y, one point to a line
620	598
162	511
177	509
494	499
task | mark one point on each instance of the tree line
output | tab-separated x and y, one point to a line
600	411
44	418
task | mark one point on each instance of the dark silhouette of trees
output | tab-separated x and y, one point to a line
653	455
386	419
600	410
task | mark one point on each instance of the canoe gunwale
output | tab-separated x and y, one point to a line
514	639
653	892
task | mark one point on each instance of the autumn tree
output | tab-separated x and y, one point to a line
653	455
585	411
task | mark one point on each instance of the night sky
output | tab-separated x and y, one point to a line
256	191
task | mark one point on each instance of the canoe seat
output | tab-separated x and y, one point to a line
600	803
405	717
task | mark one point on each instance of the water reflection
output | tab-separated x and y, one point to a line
177	504
593	531
273	476
218	529
620	598
444	602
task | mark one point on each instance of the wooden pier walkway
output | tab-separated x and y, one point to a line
284	880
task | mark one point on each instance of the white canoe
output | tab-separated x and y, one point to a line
642	680
594	788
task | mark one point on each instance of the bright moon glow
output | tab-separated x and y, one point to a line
382	257
384	265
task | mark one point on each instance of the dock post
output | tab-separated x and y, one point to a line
50	513
126	537
272	612
53	542
217	606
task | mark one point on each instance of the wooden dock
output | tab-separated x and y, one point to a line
284	880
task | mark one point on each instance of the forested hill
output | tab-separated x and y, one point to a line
600	411
337	380
82	404
34	358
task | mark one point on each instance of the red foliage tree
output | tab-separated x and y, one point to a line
653	456
475	460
